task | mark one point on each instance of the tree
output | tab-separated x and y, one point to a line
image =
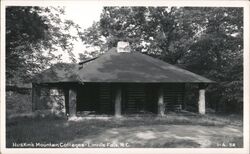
154	31
218	54
33	34
203	40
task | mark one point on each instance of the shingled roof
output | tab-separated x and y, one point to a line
120	67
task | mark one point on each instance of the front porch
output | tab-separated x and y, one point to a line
114	98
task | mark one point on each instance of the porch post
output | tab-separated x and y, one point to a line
202	102
66	103
161	106
118	101
72	102
36	92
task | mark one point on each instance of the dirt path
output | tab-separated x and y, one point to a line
181	136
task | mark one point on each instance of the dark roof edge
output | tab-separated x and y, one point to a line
88	60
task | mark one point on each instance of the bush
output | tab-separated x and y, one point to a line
18	103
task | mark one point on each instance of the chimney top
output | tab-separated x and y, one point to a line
123	47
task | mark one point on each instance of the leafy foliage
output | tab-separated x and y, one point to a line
33	34
207	41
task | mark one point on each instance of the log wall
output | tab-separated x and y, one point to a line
173	96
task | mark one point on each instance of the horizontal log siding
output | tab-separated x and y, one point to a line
136	98
173	96
105	99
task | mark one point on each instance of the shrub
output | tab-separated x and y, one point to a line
18	103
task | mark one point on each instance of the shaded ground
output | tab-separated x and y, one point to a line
171	131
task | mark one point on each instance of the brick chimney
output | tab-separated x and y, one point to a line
123	47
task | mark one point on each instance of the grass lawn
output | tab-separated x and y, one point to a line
172	131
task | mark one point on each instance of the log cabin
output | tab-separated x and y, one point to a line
119	82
